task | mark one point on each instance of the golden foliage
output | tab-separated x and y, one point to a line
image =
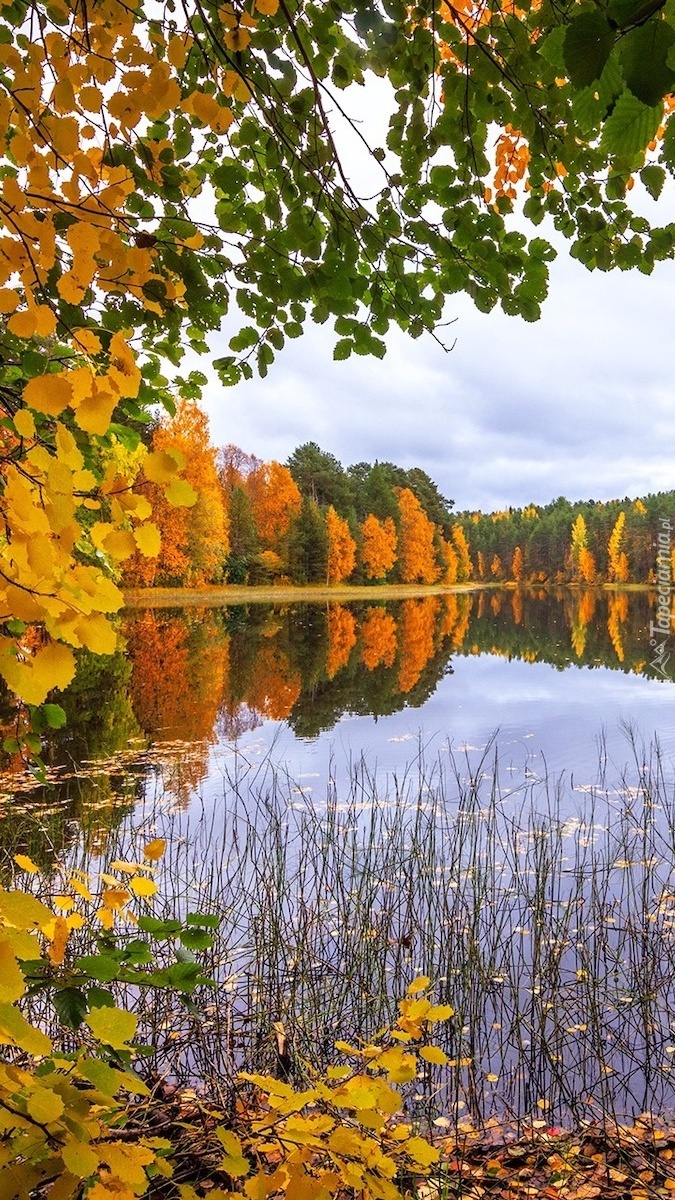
417	558
341	547
378	553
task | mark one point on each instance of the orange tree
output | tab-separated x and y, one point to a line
162	163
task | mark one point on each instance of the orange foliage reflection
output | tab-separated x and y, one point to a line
274	686
378	639
416	629
341	638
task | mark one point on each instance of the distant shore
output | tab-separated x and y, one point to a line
217	597
286	593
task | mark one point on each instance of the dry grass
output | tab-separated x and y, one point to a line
314	594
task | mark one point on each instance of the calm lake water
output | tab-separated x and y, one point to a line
551	681
477	786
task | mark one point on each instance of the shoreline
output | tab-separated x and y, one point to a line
237	594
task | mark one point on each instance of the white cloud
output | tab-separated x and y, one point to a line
579	404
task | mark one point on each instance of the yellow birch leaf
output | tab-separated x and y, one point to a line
96	634
44	1105
155	849
48	394
148	539
79	1159
433	1054
12	982
23	324
91	98
127	1160
45	321
422	1152
268	7
440	1012
237	39
87	341
160	466
79	887
120	544
94	413
180	494
113	1026
115	898
31	681
70	288
23	911
26	864
15	1030
233	1160
74	920
9	300
105	917
24	423
142	886
418	985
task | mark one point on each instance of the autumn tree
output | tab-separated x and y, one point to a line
416	556
275	501
341	548
378	553
582	559
617	557
195	540
464	564
517	565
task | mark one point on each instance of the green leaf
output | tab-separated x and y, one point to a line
343	349
630	126
588	44
54	715
205	920
71	1006
653	178
196	939
644	60
160	929
99	966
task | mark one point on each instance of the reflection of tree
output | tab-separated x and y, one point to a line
341	638
582	615
378	639
274	686
178	681
416	632
616	618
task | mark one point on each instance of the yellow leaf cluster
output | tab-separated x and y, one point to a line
70	252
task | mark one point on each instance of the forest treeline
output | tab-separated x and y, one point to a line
311	520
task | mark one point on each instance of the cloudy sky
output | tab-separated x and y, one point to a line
580	404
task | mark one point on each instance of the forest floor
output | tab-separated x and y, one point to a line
495	1161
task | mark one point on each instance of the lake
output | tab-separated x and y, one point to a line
477	785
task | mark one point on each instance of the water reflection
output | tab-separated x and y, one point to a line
193	679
